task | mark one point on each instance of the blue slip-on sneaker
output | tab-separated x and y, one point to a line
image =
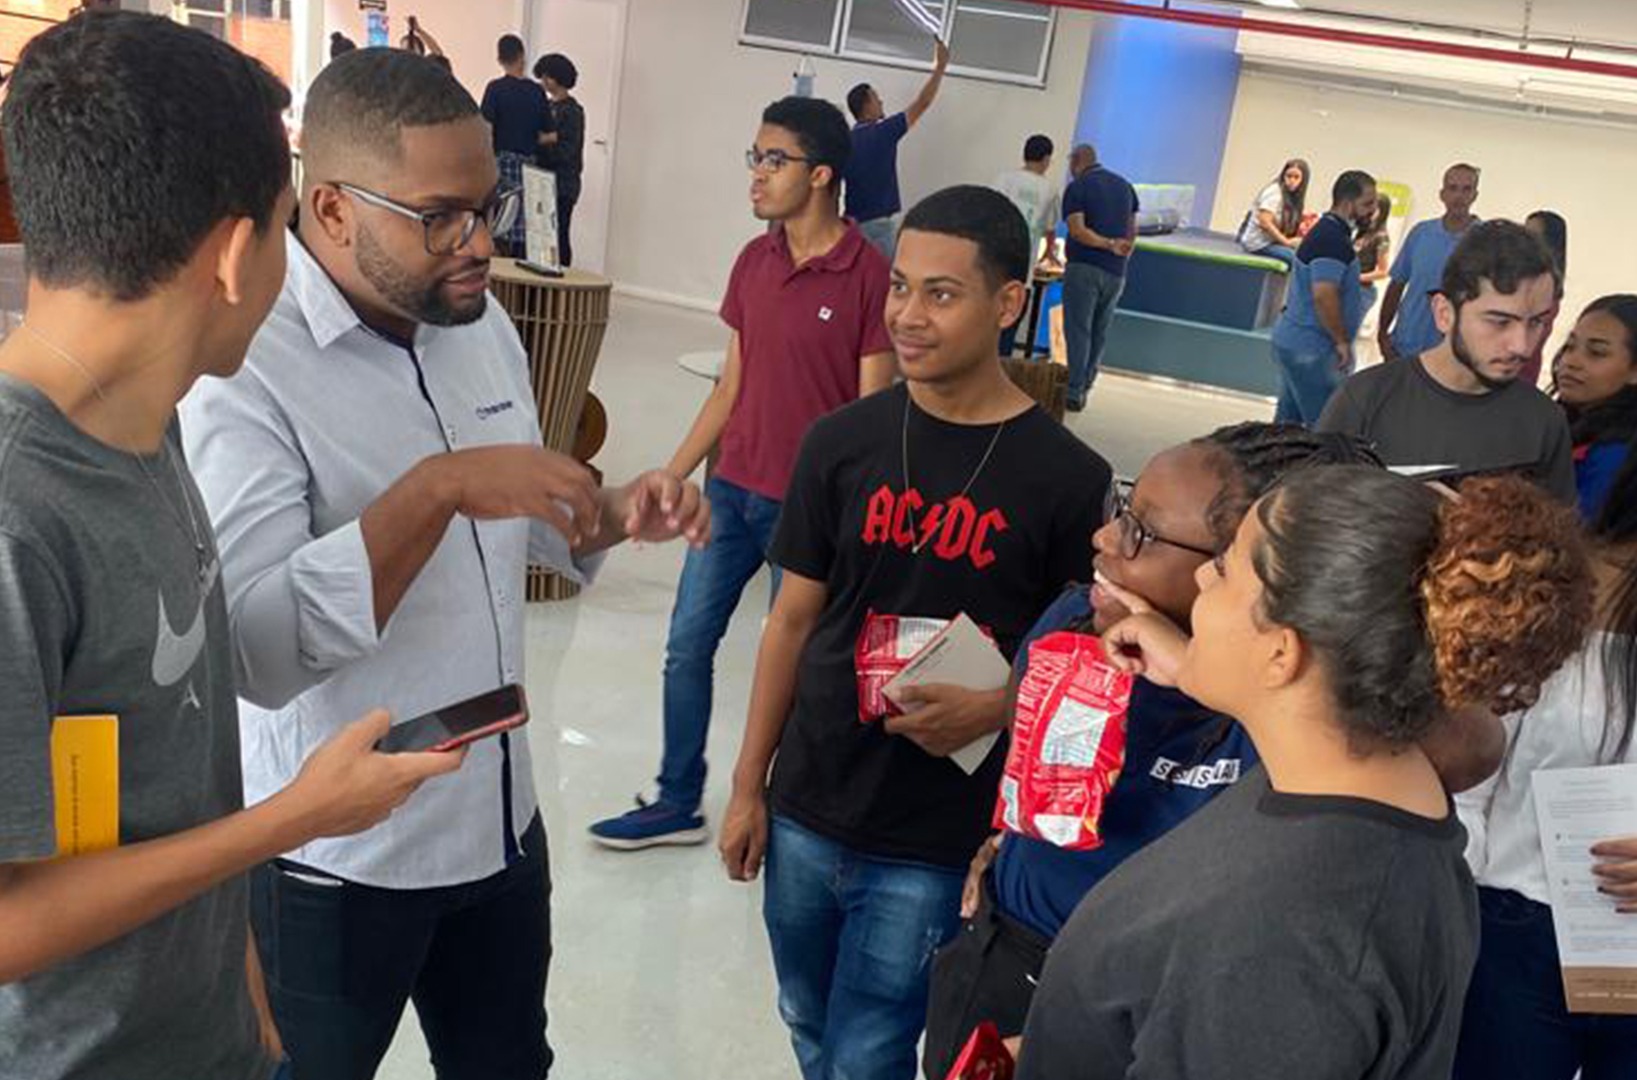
650	825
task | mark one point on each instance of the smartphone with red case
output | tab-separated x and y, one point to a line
456	725
985	1056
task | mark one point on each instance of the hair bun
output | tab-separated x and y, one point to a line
1508	593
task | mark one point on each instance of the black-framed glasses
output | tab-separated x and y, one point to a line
447	231
1134	533
770	160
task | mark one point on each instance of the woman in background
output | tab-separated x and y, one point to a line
563	151
1375	250
1553	231
1517	1025
1273	226
1595	379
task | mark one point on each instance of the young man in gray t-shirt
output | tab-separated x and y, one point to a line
1460	404
132	961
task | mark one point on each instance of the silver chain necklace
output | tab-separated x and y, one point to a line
190	526
915	528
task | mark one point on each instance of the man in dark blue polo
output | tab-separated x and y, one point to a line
872	167
1100	209
1313	341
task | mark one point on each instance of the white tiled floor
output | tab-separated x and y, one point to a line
661	967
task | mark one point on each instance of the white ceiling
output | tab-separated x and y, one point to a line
1607	21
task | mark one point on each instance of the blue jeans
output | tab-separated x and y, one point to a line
713	579
853	939
883	233
1516	1025
1284	254
1306	381
1089	296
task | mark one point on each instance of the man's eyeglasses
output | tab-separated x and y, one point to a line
1134	534
447	231
770	160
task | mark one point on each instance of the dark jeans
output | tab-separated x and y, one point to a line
1516	1025
1089	296
853	939
713	579
989	972
565	221
342	960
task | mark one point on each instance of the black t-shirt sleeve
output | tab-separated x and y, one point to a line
805	542
1273	1019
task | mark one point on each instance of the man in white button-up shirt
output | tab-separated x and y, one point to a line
377	482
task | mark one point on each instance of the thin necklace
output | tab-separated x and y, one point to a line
915	529
201	550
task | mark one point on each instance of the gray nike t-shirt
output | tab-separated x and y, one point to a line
106	609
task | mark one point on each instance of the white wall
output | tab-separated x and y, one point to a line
1579	170
467	30
690	101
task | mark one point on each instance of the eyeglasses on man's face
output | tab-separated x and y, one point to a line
449	230
770	160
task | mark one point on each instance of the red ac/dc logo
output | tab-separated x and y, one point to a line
951	530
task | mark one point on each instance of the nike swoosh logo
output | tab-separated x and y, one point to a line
175	654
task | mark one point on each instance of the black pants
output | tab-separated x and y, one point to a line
989	972
1516	1025
342	960
567	195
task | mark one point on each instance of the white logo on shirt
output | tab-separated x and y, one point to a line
175	654
1216	774
825	314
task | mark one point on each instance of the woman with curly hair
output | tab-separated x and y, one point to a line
1517	1025
1595	378
1318	920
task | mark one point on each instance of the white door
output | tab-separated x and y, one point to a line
592	34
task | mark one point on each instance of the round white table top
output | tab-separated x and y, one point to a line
707	365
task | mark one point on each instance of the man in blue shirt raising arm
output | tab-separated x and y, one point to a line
872	168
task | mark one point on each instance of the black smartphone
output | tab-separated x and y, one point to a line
456	725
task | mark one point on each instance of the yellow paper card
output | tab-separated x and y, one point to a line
85	780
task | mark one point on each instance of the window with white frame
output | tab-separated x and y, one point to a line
1003	40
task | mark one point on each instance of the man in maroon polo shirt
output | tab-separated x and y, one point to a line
806	305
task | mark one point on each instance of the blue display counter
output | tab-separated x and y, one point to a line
1204	277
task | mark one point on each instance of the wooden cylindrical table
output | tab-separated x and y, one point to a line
562	322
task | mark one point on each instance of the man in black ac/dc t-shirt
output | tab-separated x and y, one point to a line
950	494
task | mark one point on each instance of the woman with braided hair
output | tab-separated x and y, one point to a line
1317	921
1180	754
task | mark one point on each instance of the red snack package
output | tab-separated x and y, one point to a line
985	1056
1068	742
885	645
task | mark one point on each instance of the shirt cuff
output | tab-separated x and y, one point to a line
335	599
550	549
